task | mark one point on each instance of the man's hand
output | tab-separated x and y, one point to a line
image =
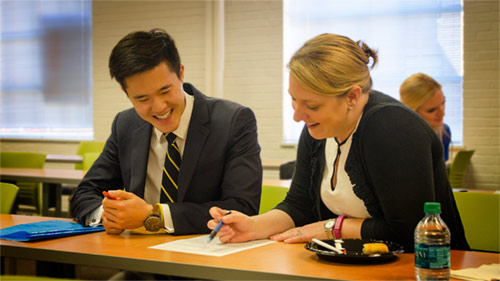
127	213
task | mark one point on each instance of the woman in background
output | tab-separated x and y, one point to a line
424	95
366	164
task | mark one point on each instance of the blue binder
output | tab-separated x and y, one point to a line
45	230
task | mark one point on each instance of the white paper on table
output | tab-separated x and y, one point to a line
198	245
484	272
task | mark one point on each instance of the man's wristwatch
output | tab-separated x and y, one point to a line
154	222
328	227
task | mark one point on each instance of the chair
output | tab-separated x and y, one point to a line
29	192
458	167
480	217
88	147
271	196
89	159
8	193
287	170
84	147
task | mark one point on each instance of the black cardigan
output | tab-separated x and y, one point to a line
395	164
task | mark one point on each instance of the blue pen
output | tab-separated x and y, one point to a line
214	232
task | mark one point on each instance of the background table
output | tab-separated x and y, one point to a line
60	158
272	165
51	180
277	261
74	159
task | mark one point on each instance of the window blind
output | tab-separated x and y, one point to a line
411	36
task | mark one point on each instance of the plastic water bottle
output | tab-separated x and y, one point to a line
432	245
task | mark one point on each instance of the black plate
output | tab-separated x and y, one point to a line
354	251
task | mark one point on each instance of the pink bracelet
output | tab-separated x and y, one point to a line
338	226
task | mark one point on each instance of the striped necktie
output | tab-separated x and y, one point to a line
170	171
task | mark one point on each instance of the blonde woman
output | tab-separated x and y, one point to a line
423	94
365	163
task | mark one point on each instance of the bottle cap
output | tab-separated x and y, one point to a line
432	207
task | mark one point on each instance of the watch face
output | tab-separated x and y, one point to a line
152	223
329	224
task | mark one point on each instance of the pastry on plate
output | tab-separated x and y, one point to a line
375	248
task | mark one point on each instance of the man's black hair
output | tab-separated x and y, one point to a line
141	51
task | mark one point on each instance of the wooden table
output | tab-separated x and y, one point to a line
51	180
75	176
277	261
75	159
271	165
60	158
276	182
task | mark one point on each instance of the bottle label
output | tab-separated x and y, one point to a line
432	256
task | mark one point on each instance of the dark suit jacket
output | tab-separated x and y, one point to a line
221	164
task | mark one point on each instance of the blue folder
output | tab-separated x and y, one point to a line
45	230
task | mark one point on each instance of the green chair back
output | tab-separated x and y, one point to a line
89	159
22	159
8	194
271	196
458	166
29	192
480	215
88	147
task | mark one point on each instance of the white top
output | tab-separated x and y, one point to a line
340	199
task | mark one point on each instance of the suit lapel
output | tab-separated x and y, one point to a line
141	138
196	137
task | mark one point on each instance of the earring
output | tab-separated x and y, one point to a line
349	108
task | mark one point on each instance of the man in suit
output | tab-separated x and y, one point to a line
215	139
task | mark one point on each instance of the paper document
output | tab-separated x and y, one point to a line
484	272
199	246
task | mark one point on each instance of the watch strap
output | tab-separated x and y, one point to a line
156	211
160	208
338	226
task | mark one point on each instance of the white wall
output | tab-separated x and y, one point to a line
253	65
112	20
481	92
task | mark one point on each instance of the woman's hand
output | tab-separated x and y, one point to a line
237	227
302	234
128	212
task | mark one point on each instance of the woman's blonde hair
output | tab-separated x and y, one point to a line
417	89
330	64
